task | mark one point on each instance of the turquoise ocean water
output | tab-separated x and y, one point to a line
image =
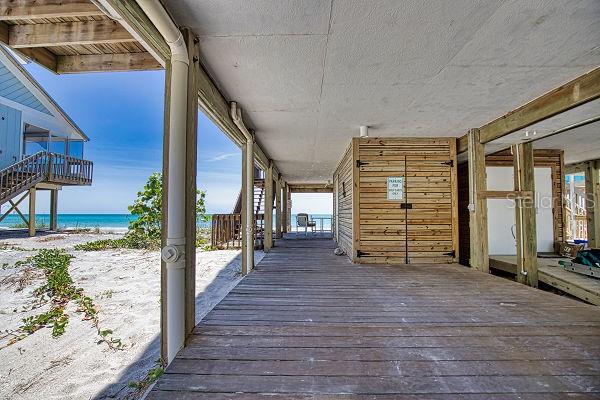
113	220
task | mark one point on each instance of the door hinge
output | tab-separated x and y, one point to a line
406	206
451	254
449	162
360	163
360	253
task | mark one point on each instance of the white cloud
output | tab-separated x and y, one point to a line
221	157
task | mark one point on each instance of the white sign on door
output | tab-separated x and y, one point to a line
395	188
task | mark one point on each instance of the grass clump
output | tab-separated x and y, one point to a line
151	376
59	290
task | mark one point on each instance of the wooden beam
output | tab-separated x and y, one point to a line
107	62
68	34
40	55
580	90
576	168
31	215
268	229
592	202
278	209
285	222
505	194
139	25
39	9
525	210
247	226
191	157
478	227
311	188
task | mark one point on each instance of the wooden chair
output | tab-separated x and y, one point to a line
303	221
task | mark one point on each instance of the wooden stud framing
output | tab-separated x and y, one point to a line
479	258
190	180
580	90
592	201
525	209
268	228
53	209
31	219
278	209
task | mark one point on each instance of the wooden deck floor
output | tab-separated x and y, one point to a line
310	325
583	287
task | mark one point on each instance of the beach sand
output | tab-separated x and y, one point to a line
125	285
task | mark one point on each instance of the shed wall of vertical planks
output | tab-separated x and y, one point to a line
420	225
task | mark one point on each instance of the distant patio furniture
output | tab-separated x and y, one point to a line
303	221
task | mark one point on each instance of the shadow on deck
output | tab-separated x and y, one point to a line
307	324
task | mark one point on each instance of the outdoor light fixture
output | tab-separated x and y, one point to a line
364	131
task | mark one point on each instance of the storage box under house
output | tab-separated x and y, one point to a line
395	201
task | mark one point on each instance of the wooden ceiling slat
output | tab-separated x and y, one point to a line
67	33
36	9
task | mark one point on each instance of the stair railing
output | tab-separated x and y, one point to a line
20	176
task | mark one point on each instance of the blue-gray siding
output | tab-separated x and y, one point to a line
10	136
12	89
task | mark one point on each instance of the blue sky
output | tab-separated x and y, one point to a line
122	113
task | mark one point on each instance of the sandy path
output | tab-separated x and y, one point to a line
125	284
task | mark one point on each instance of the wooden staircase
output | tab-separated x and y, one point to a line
43	167
227	227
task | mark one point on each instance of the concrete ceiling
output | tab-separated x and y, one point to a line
308	73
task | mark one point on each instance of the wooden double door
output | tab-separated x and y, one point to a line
406	201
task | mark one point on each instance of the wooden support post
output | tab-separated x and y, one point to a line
31	220
284	219
592	202
479	258
525	211
53	209
190	180
247	226
165	206
268	228
279	210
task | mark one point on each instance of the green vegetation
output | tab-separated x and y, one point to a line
152	375
59	290
144	231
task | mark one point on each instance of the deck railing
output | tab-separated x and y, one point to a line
43	167
226	232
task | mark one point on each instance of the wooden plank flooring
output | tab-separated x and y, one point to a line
307	324
549	272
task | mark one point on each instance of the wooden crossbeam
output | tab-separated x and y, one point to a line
107	62
505	194
14	206
311	188
37	9
67	34
580	90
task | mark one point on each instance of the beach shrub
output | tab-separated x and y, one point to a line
58	290
147	207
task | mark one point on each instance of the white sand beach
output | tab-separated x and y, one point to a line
125	286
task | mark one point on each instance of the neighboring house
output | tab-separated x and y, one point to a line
41	148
